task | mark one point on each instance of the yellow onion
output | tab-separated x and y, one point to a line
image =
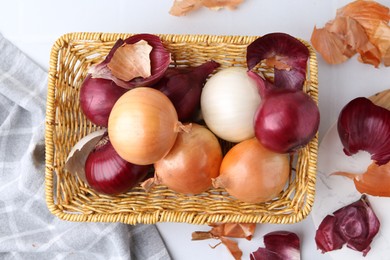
191	164
252	173
143	126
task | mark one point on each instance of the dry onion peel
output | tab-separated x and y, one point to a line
375	181
286	54
224	231
131	61
279	245
355	225
359	27
183	7
362	125
159	58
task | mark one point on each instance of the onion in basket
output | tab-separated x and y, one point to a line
97	97
287	119
143	125
106	172
191	164
252	173
229	101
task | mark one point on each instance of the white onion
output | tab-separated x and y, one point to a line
229	101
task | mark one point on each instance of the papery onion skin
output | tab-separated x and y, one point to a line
375	181
362	125
97	97
160	59
252	173
355	225
286	120
286	49
279	245
108	173
192	162
183	86
228	102
143	125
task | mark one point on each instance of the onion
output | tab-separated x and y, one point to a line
362	125
183	86
106	172
97	97
159	61
355	225
75	162
228	102
252	173
286	54
191	164
143	125
286	120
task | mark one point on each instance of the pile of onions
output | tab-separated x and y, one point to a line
143	125
252	173
191	164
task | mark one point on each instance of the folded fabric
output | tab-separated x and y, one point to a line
27	229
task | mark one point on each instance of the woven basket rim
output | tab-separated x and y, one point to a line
166	215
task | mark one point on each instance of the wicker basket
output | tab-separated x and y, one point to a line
71	199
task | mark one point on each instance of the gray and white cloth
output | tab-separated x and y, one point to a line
27	229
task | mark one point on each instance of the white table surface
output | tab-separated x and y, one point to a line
34	26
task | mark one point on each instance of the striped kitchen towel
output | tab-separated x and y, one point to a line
27	229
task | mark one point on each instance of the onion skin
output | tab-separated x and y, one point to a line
183	86
160	59
362	125
97	97
279	245
108	173
192	162
252	173
288	51
143	125
286	121
355	225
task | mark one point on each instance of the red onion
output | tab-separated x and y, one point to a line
108	173
97	97
286	119
362	125
183	86
287	54
160	59
355	225
279	245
